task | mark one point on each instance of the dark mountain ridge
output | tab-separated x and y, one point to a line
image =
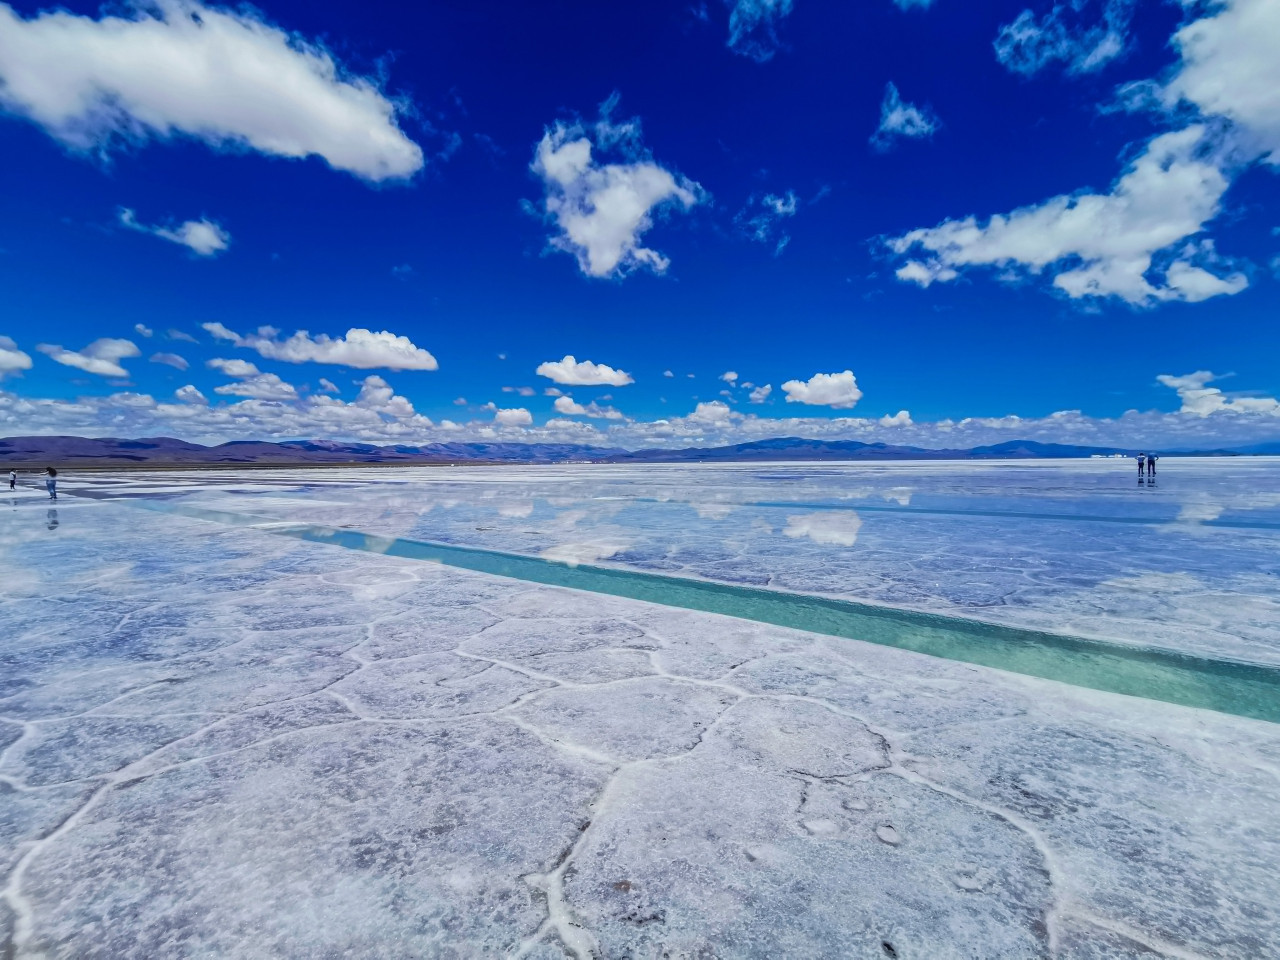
167	451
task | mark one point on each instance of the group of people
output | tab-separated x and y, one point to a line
1147	465
50	481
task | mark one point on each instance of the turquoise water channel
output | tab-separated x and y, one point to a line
1244	689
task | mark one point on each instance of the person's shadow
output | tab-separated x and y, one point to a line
51	519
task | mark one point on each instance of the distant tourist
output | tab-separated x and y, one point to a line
1151	464
51	483
13	479
1142	465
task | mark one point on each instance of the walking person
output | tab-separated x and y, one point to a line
1151	464
51	483
13	479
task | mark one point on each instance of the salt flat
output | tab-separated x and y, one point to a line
218	741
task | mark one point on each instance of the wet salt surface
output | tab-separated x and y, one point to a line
217	742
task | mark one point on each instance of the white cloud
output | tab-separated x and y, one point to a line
189	394
380	417
763	216
170	359
901	120
900	419
1100	245
101	357
667	373
1230	69
571	408
729	376
180	68
142	330
753	27
328	386
259	386
12	360
1028	45
1200	400
233	368
511	417
522	391
908	4
361	349
601	210
760	394
202	237
179	335
835	527
839	390
571	373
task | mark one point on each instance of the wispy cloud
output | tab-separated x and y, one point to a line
900	120
753	27
203	237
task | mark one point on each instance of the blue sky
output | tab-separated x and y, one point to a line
912	221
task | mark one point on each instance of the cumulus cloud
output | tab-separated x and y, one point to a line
601	210
1100	244
361	349
900	419
753	27
179	68
1029	44
510	416
12	360
259	385
763	217
1200	400
170	359
729	376
202	237
101	357
760	394
189	394
838	390
379	417
328	386
573	373
142	330
900	120
233	368
834	527
571	408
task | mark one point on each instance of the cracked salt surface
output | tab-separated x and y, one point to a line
215	742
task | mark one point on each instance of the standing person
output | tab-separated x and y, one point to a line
1151	464
51	483
1142	465
13	479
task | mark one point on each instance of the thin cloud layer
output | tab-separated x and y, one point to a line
1030	44
753	27
179	68
601	210
360	349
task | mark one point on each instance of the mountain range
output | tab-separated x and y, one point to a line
58	451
